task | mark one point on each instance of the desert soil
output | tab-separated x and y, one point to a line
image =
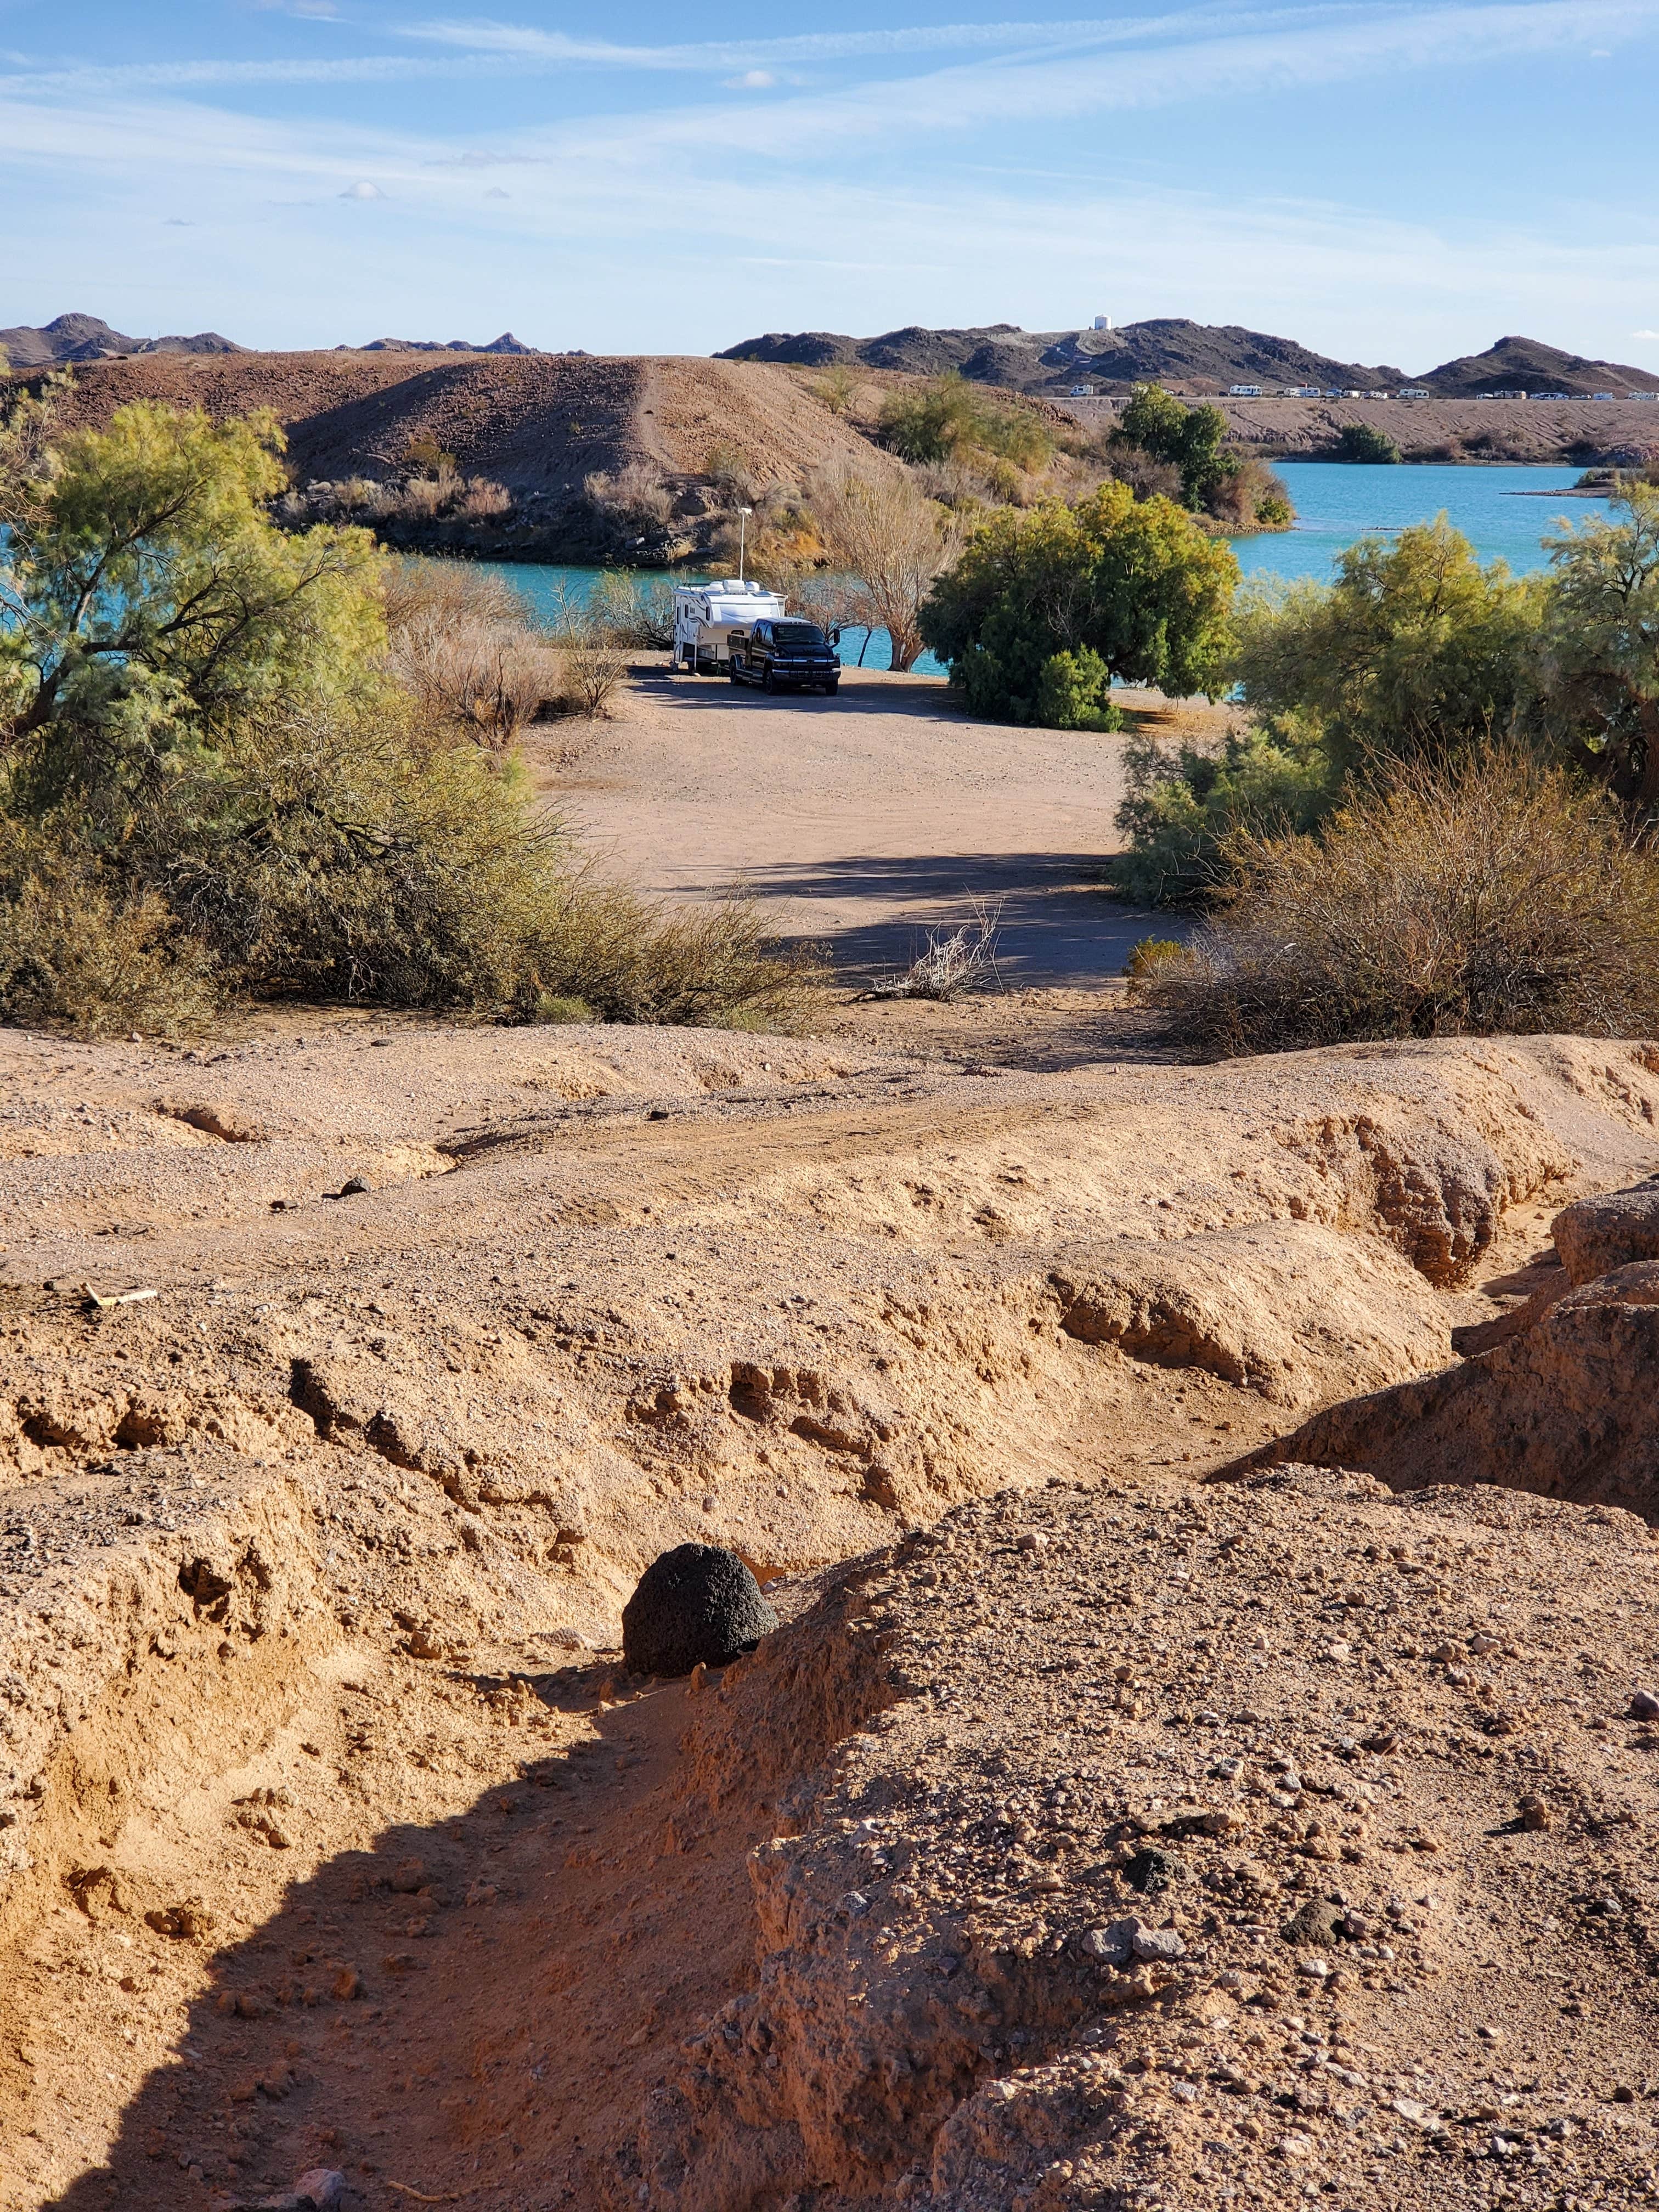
332	1832
865	821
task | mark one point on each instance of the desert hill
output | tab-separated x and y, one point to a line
1168	350
1188	356
1527	364
538	424
1089	1832
87	338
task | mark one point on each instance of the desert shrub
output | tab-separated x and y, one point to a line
1363	441
1075	692
460	641
1251	496
1182	809
1149	961
1135	583
836	389
948	419
730	473
1493	895
1146	476
424	456
593	669
634	611
82	950
635	497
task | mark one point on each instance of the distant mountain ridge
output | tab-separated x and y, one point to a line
505	343
70	338
1174	350
89	337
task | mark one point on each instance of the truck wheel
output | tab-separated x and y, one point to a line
731	671
767	685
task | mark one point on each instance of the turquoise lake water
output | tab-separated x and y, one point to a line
1335	504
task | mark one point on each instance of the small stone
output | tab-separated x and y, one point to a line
1297	2146
481	1893
1032	1540
1536	1814
1159	1944
347	1985
1644	1706
1315	1924
1153	1871
355	1187
695	1602
409	1876
697	1679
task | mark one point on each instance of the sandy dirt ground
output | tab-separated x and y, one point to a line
332	1832
865	820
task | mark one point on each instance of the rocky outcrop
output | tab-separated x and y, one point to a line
1561	1398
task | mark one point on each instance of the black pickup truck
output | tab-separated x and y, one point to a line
782	656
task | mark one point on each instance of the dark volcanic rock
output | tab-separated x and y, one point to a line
695	1603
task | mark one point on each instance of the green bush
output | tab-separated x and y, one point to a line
1493	895
1181	812
1363	441
1135	584
1189	439
1075	692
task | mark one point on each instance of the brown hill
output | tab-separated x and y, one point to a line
539	424
89	337
1526	364
1169	350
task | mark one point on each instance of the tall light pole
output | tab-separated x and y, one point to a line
743	514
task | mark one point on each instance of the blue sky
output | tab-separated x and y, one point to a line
1389	183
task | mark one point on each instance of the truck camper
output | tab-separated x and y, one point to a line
705	616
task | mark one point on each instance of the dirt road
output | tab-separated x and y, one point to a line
864	820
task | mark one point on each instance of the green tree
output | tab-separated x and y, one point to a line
146	597
1363	441
1601	643
1415	649
1045	607
1190	439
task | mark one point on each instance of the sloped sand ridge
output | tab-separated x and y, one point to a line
299	1557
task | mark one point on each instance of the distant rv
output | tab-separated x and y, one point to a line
1413	392
1243	392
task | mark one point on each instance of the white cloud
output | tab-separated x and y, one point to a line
755	80
496	193
363	190
1652	336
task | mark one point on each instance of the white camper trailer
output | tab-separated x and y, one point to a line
705	616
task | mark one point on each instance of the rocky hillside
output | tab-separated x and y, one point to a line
1171	350
87	337
541	425
1186	356
1526	365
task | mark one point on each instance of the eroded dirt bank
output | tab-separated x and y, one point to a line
329	1832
